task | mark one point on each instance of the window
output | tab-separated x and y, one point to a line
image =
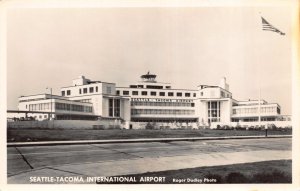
222	94
68	92
91	89
179	94
201	93
214	111
62	93
108	90
187	95
110	107
125	92
96	88
84	90
234	111
79	91
193	104
161	93
194	94
153	93
144	93
170	94
235	120
116	108
118	92
135	93
154	87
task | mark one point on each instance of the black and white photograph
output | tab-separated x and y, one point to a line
134	94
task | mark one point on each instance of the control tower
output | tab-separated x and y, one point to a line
148	77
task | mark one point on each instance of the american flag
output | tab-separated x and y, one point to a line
268	27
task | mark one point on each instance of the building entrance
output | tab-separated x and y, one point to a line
213	111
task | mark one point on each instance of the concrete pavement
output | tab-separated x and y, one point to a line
134	158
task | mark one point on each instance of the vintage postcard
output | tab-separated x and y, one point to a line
136	95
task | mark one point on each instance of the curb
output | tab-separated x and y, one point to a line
81	142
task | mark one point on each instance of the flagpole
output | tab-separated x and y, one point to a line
266	26
259	107
259	97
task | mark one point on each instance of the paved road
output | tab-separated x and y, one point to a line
132	158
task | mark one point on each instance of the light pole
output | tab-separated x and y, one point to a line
50	102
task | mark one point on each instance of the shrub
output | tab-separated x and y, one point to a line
240	128
100	127
114	127
227	127
272	127
236	177
273	177
150	126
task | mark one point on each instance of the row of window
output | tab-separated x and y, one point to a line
71	107
244	110
267	119
167	104
162	112
67	92
268	109
250	119
149	86
59	106
255	110
39	107
154	93
214	120
84	100
81	91
254	119
224	95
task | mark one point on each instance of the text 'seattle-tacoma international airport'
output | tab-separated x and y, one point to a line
147	104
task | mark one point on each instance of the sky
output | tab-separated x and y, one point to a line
185	46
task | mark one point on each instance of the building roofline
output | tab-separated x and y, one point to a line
97	82
257	104
252	100
157	89
40	94
234	99
215	99
252	115
215	87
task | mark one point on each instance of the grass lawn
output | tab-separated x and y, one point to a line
278	171
19	135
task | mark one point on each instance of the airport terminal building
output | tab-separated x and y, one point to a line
149	101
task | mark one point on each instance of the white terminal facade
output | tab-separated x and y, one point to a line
150	101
